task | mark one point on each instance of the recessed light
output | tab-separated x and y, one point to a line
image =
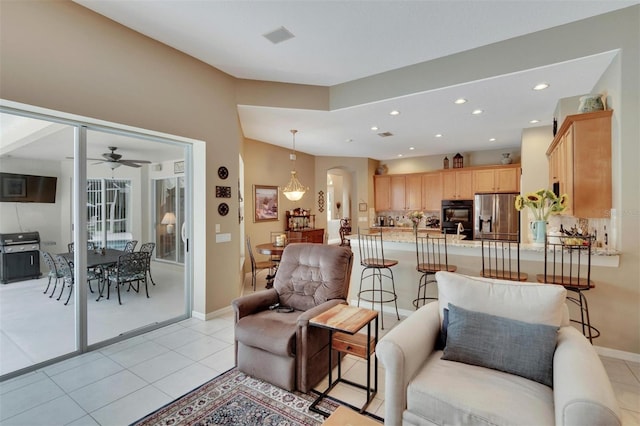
394	112
399	155
460	101
540	86
411	148
349	140
374	128
477	111
492	140
534	121
438	135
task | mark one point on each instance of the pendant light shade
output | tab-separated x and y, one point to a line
294	190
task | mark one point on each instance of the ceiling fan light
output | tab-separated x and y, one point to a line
112	165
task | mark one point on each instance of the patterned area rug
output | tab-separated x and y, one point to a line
233	398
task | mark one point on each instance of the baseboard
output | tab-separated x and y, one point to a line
608	352
217	313
615	353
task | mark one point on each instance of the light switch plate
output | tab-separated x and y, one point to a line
217	228
223	238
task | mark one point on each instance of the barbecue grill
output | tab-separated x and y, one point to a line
19	256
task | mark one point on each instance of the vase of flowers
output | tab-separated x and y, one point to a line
416	217
542	203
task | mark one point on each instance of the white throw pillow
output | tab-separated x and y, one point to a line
528	302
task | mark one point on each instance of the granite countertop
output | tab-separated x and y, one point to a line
401	236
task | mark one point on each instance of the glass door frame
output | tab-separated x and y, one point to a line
80	126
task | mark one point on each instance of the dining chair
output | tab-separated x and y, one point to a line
501	257
432	257
90	246
65	267
131	268
257	266
148	248
53	271
345	229
130	246
567	262
376	266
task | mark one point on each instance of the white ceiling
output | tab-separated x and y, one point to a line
340	41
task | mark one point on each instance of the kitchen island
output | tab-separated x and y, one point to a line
400	244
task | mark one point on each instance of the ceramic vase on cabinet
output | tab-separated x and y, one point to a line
538	230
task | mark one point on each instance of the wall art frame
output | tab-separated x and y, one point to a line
265	203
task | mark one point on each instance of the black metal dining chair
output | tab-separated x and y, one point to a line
53	271
148	248
130	246
131	268
65	267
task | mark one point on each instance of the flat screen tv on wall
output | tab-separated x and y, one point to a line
17	188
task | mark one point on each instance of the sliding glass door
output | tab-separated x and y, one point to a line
104	198
169	218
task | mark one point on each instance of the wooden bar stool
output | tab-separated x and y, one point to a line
376	266
431	253
567	262
501	257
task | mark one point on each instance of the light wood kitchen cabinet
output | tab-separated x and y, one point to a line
499	179
580	164
457	185
398	196
431	192
413	192
382	192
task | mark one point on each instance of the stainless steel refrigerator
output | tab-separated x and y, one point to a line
496	217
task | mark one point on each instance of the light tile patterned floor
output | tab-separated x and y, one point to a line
125	381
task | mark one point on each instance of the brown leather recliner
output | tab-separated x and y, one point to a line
280	347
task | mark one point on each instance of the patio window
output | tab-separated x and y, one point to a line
108	212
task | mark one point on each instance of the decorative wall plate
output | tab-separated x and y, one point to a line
223	192
223	209
223	173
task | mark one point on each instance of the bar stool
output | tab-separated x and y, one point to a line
374	263
567	262
501	257
431	254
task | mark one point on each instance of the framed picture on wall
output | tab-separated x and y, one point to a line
362	207
265	203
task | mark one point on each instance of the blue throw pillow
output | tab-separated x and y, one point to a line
500	343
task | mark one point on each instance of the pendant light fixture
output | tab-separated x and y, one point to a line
294	189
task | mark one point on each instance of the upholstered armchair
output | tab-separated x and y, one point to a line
279	346
509	357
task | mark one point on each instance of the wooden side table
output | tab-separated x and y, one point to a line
343	323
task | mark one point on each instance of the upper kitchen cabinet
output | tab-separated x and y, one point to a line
457	185
498	179
382	192
580	164
431	191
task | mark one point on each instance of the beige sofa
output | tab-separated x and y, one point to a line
421	388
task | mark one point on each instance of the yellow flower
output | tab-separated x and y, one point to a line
542	203
534	197
519	203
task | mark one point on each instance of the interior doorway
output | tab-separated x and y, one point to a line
339	195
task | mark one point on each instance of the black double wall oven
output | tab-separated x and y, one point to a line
455	213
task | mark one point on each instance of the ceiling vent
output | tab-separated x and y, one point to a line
385	134
279	35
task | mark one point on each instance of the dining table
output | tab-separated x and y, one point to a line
95	258
98	259
275	251
270	249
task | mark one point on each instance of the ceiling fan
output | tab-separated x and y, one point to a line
114	160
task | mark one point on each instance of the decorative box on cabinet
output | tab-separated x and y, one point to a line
580	164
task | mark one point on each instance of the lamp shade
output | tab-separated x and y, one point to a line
169	219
